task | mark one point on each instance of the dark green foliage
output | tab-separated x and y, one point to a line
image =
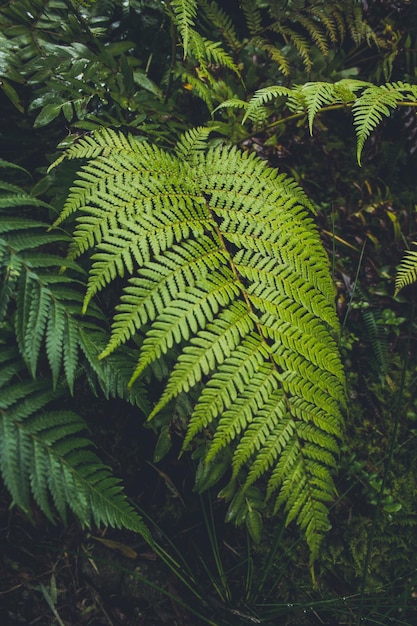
43	449
211	269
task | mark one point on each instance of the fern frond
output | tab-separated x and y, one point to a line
274	53
252	16
299	42
265	95
111	376
198	87
185	12
214	53
370	108
222	22
330	22
159	282
407	270
316	96
225	265
316	33
193	139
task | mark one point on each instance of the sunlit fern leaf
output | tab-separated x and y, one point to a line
407	270
330	22
193	139
44	453
300	43
370	104
317	95
159	282
370	108
222	262
275	54
214	53
265	95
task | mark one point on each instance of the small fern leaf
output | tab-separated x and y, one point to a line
185	12
253	16
222	22
55	337
370	108
10	267
317	95
193	139
34	300
407	271
263	96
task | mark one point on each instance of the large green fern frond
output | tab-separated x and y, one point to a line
223	263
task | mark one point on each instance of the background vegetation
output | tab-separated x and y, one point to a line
157	70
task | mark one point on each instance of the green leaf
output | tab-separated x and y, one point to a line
47	114
12	94
254	524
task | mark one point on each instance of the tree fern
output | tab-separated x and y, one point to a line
221	260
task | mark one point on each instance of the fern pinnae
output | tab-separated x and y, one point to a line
192	140
43	451
329	21
266	437
229	379
185	315
185	12
314	29
299	42
258	433
264	96
206	351
245	406
54	338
